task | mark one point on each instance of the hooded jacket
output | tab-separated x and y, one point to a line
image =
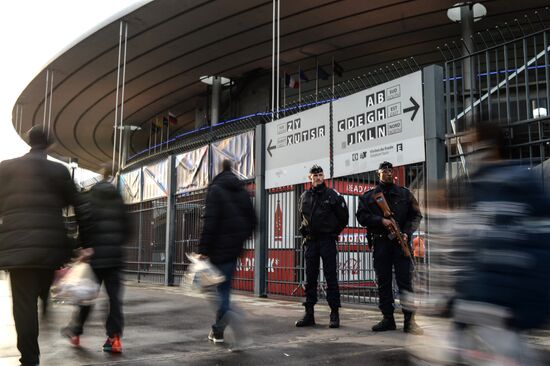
229	219
104	225
33	193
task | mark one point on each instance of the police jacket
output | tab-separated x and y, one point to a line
402	203
324	213
33	193
104	225
229	219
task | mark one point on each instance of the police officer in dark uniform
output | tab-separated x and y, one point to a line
324	215
387	252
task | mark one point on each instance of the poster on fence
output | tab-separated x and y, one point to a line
130	186
239	150
155	180
281	220
192	170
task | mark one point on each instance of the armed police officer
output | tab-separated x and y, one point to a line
324	215
387	251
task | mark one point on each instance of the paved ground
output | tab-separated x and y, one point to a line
166	327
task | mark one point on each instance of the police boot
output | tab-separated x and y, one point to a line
388	323
334	318
410	325
309	319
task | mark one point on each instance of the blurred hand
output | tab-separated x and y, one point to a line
387	223
405	237
84	255
203	257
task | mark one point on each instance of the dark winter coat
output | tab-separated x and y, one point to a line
33	193
324	213
509	234
229	219
402	203
104	225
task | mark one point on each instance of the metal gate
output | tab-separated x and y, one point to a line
189	211
146	250
356	277
507	83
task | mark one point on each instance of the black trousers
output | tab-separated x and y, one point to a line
387	255
114	325
26	286
314	251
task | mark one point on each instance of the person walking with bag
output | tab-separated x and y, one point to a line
229	220
104	229
33	237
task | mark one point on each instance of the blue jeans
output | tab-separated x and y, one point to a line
224	290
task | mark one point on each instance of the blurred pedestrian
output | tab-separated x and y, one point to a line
33	237
229	220
324	215
509	234
104	229
388	255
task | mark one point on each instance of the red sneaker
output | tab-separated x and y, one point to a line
71	336
113	345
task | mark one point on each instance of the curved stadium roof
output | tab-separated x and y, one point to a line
172	43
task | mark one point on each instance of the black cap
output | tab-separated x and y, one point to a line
385	164
37	137
315	169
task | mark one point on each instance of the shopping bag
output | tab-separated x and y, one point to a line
201	275
75	285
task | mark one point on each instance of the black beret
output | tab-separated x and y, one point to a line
315	169
385	164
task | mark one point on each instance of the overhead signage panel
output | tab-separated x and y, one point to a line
383	123
294	144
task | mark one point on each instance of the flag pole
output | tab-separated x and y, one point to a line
278	100
284	90
150	137
161	135
156	133
299	88
167	133
332	76
316	77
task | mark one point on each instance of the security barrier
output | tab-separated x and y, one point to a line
146	250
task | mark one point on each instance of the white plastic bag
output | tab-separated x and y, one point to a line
77	286
201	275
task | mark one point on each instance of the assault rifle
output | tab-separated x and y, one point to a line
395	232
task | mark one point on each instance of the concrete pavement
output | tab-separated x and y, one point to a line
164	326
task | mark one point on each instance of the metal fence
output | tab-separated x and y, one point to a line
285	267
189	211
507	83
146	249
357	280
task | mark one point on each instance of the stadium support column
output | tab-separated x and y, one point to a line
468	65
125	142
434	131
260	235
215	105
434	123
170	222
